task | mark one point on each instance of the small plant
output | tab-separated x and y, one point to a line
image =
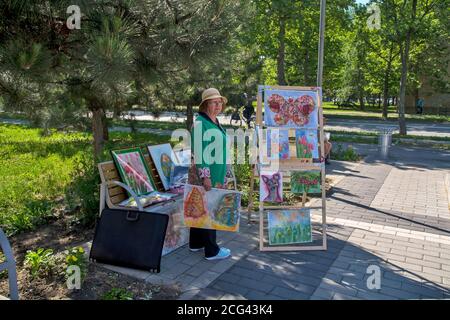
348	154
76	257
117	294
40	263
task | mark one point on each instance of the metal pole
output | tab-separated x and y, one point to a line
321	42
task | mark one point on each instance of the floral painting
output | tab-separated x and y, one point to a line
277	144
177	234
306	144
133	170
290	108
164	159
305	181
271	187
289	226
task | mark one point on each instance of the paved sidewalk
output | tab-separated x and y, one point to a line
389	215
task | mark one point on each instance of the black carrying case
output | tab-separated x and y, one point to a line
129	238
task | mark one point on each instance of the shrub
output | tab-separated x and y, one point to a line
348	154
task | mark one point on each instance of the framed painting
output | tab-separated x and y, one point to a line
289	226
133	170
291	108
271	187
305	181
306	143
165	160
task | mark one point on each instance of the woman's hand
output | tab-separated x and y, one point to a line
207	184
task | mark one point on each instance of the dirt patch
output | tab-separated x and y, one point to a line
59	236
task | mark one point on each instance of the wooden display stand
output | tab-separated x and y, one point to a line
286	166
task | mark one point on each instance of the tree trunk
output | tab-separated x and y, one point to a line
105	127
403	79
98	127
386	89
281	52
189	116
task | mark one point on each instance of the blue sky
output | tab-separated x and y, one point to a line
362	1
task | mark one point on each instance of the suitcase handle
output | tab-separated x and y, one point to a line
130	216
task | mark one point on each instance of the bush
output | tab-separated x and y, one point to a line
348	154
83	192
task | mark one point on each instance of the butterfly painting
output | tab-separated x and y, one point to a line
271	187
291	109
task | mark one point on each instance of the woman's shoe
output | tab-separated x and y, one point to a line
223	254
195	249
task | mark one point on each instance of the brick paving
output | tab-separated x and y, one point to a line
391	215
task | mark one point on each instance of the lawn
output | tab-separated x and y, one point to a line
36	173
332	111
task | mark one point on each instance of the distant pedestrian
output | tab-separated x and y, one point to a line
248	111
419	105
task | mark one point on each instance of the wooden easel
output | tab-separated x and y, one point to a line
286	166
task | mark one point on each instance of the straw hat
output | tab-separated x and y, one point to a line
212	93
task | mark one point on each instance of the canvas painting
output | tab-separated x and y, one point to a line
305	181
164	159
289	227
224	209
196	213
291	108
271	187
277	144
180	175
177	234
216	209
183	156
306	144
133	170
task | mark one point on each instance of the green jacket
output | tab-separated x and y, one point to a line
216	155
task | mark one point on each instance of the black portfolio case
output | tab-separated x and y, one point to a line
128	238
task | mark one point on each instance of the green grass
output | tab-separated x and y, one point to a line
332	111
36	173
